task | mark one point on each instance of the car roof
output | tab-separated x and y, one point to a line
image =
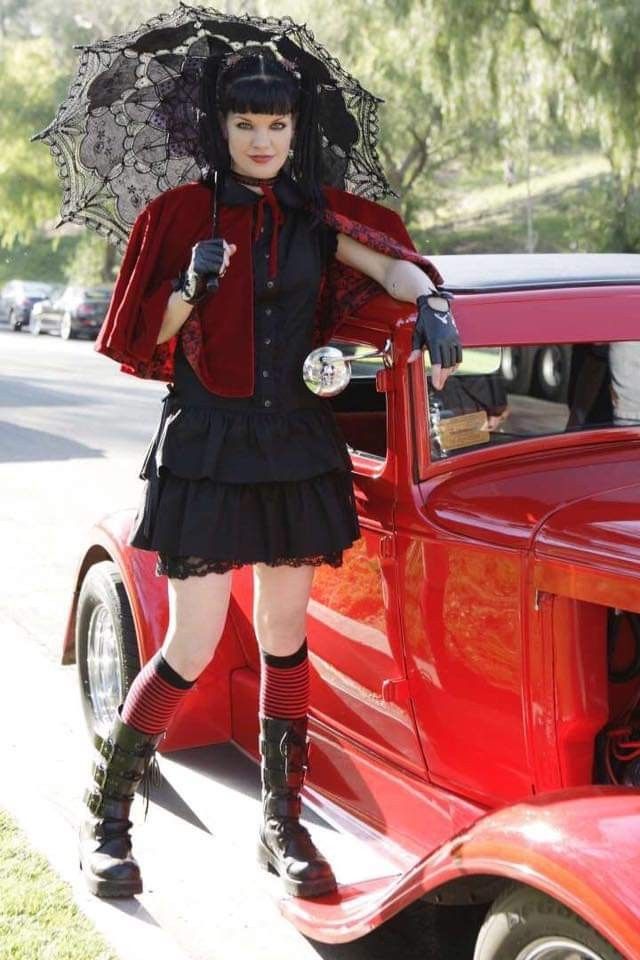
485	272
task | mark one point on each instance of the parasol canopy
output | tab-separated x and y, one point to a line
127	130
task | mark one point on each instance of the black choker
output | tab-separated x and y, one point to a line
254	181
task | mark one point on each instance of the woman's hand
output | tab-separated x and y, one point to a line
209	261
436	330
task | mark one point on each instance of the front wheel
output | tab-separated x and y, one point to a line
106	645
66	327
526	924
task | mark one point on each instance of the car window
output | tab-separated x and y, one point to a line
97	293
538	391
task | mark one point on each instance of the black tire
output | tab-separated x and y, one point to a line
516	368
521	918
14	324
553	367
104	623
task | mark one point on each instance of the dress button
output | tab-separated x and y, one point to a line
269	283
265	373
268	311
267	403
267	340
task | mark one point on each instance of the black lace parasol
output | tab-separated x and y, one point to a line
127	130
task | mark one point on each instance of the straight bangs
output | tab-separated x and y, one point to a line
261	95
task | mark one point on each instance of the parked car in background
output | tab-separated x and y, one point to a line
17	299
72	312
475	711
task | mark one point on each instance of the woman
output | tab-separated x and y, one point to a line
247	466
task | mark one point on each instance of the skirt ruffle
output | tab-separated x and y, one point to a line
198	442
240	488
268	522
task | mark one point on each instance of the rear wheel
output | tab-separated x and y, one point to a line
106	645
553	365
526	924
14	322
517	368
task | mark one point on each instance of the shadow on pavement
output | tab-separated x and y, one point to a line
422	931
23	444
22	391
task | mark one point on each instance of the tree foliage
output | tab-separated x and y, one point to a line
462	81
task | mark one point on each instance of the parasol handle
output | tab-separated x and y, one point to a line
212	282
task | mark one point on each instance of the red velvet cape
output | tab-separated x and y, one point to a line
218	335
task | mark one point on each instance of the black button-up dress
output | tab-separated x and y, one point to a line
266	478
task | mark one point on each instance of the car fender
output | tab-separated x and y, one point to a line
580	846
205	716
147	594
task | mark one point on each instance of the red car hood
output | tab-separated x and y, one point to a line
581	502
601	530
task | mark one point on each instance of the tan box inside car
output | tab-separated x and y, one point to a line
465	430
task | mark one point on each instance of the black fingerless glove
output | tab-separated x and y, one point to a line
436	329
201	276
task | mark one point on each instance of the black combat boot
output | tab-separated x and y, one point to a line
284	844
126	758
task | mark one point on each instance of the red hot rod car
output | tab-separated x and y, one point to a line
476	660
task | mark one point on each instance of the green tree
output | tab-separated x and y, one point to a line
586	66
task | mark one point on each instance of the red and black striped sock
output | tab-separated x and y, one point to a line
284	685
154	696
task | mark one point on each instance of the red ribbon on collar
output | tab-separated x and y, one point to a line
277	217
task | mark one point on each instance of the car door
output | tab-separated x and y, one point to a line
358	670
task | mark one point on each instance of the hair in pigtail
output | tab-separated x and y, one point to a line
306	165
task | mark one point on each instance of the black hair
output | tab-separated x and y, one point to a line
257	82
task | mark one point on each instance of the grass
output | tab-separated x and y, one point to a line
484	215
38	918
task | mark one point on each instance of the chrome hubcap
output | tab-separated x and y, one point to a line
103	666
510	363
557	948
552	367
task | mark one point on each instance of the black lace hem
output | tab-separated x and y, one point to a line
182	567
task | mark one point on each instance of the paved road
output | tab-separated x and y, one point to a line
73	431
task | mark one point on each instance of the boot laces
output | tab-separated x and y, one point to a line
152	776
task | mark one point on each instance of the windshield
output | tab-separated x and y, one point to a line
538	391
36	289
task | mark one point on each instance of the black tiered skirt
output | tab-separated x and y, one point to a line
226	487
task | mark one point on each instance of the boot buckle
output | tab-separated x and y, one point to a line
106	748
93	801
100	775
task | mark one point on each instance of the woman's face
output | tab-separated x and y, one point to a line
253	135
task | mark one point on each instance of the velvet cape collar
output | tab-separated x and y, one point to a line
218	335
